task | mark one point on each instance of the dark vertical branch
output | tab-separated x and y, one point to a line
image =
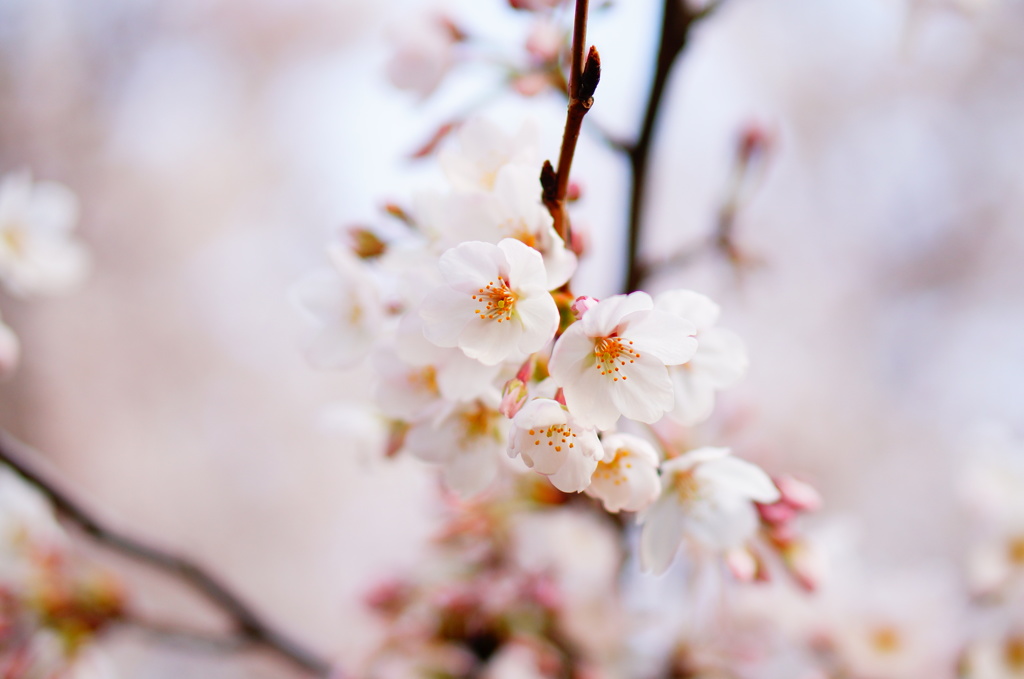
678	19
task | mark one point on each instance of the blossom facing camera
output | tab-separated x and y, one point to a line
613	360
552	442
495	305
626	479
707	496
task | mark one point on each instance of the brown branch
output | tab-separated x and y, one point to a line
583	78
677	20
249	626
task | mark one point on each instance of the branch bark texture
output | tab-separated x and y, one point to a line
250	627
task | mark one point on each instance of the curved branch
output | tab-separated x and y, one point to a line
249	626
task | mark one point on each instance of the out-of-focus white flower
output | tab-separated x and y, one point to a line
902	627
514	661
415	373
613	360
992	487
466	439
996	657
707	496
26	521
546	40
552	442
496	304
344	305
720	361
37	252
512	210
10	349
423	56
483	149
626	479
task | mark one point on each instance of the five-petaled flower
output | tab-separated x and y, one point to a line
626	479
552	442
495	305
613	360
707	495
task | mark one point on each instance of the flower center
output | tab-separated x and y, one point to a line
555	436
1013	652
14	238
614	469
886	639
1015	551
425	379
477	422
686	486
613	353
498	302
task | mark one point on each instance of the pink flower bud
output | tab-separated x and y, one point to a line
513	397
742	564
582	305
799	495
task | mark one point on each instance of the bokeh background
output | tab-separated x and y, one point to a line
217	145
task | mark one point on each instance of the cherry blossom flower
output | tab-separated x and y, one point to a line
512	210
551	441
613	360
626	479
720	361
37	252
415	373
424	55
707	496
466	439
496	304
344	305
483	149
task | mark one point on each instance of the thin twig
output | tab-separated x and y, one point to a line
584	75
677	20
249	626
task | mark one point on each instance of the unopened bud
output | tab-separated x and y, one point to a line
754	141
365	243
799	495
804	564
513	397
742	564
582	305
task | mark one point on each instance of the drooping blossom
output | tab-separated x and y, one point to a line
38	254
465	439
495	304
707	495
551	441
344	306
720	361
613	360
626	479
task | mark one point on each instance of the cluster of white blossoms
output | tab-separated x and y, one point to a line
482	354
38	254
